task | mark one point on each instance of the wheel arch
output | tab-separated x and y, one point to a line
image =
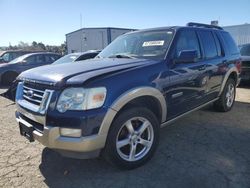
231	73
134	97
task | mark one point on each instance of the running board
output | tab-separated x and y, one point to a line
186	113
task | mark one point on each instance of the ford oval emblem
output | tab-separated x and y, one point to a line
30	93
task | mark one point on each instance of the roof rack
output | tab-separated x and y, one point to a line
193	24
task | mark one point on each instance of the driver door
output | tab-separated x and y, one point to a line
188	80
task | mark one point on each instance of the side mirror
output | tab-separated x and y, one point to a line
187	56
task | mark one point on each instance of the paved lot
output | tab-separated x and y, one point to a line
204	149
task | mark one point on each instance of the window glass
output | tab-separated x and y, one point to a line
35	59
187	40
245	50
31	59
66	59
49	59
218	45
6	56
233	49
145	45
208	43
40	59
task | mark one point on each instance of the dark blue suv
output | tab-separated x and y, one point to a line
115	104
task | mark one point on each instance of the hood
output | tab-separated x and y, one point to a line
68	73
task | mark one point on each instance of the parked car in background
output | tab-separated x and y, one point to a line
7	56
9	71
245	68
78	56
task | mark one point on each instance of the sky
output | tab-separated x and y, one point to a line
48	21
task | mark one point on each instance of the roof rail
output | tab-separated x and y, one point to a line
193	24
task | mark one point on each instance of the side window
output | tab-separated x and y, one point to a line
218	45
6	57
35	59
56	57
233	49
40	59
12	56
49	59
187	40
31	60
208	43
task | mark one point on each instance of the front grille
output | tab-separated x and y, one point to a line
33	95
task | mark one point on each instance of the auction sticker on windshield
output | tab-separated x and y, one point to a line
153	43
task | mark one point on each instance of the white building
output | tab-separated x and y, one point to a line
240	33
92	38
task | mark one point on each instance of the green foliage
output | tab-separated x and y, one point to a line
38	46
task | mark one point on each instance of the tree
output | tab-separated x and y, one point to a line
39	46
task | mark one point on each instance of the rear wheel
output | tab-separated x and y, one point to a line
227	98
132	139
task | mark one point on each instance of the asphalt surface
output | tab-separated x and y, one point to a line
203	149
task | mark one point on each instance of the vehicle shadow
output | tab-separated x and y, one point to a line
204	149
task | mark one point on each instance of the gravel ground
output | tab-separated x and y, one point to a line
204	149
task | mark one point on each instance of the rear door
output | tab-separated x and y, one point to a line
187	80
215	62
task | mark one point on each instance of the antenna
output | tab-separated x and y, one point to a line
80	20
81	37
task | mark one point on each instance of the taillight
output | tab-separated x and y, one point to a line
238	65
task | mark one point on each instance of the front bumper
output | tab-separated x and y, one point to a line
51	138
44	125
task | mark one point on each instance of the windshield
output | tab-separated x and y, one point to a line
66	59
245	50
146	45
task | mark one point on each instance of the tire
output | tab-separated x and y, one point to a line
227	98
8	78
142	138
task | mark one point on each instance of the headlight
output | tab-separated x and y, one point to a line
81	99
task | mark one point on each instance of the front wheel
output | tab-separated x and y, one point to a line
227	98
132	139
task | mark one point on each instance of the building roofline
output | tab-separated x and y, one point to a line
86	28
246	24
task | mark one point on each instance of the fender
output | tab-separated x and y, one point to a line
232	69
127	97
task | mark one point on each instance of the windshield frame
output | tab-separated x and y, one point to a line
164	55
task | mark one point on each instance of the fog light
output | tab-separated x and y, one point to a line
70	132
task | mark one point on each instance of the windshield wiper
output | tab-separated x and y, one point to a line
121	56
